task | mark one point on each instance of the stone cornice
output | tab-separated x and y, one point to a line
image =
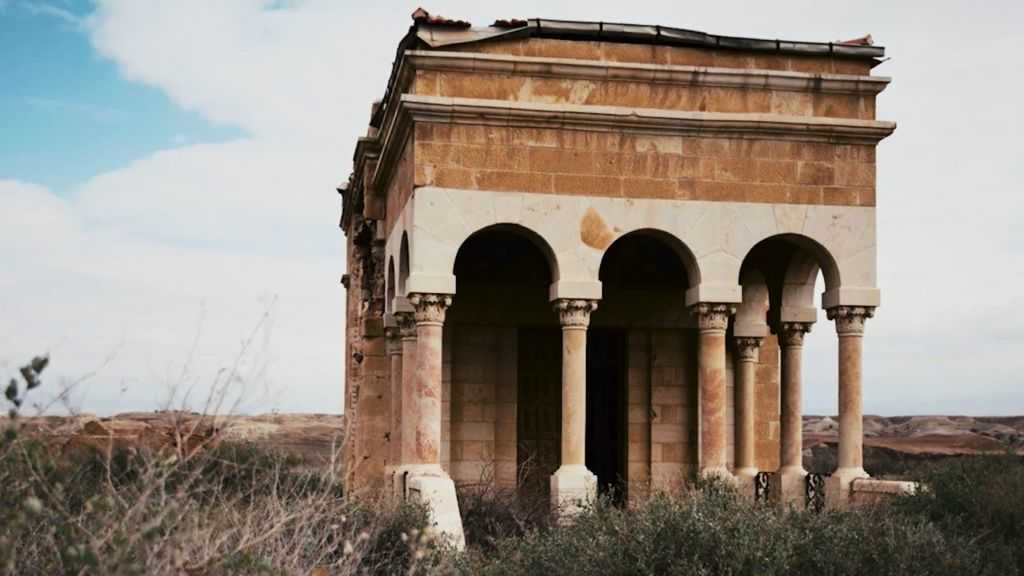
414	108
640	72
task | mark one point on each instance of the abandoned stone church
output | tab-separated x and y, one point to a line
582	258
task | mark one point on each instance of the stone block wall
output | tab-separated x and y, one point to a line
541	160
634	94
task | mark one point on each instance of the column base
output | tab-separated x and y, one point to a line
719	473
572	488
839	487
432	486
789	488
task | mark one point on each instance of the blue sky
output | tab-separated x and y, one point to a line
66	112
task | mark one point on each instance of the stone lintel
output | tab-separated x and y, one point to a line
801	314
719	293
575	290
851	296
430	284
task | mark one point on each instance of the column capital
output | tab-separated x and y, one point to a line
792	334
850	319
748	348
406	325
574	313
712	316
429	308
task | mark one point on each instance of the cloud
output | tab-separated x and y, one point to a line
197	242
44	9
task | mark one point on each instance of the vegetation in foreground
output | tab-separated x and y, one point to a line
236	509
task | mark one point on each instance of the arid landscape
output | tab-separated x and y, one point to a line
889	441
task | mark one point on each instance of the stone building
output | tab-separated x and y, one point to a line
582	257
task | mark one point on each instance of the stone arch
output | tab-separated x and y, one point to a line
789	265
671	241
532	236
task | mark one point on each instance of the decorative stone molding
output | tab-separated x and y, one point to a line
850	319
712	316
574	313
748	349
792	333
406	325
430	308
640	72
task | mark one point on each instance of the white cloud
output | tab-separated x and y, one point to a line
197	239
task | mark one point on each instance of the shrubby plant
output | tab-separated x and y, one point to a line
204	507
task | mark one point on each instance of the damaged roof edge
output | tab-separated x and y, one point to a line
436	36
423	33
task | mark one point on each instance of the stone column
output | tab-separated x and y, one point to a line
713	319
407	331
394	352
572	484
850	328
747	352
792	476
427	480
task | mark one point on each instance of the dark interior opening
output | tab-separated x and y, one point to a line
539	409
606	414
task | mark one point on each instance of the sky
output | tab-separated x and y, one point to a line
169	219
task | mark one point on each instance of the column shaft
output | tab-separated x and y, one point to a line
408	421
572	484
791	445
713	319
426	398
850	329
574	395
747	350
851	423
395	377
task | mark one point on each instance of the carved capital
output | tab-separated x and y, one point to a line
712	316
748	348
406	325
575	313
791	334
430	308
850	319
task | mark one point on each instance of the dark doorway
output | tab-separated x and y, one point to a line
539	412
606	414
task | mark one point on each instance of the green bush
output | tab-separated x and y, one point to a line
718	532
978	497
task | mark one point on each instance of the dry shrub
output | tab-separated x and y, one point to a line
194	507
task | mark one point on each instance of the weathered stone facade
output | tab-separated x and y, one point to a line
608	247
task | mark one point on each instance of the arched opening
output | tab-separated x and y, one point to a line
505	361
403	264
641	366
793	270
390	299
